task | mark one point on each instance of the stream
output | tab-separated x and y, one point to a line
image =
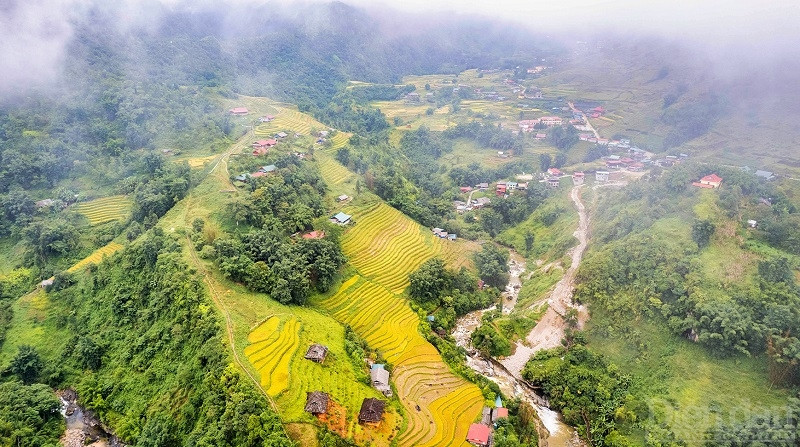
83	426
547	333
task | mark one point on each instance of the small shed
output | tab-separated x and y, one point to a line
267	169
371	411
317	402
316	353
380	380
341	218
342	197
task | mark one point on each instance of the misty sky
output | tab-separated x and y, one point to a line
33	33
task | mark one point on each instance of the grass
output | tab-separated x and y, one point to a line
105	209
686	384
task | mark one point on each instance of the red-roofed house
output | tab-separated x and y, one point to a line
264	143
465	189
578	178
712	180
499	413
636	167
554	171
240	111
258	174
478	434
316	234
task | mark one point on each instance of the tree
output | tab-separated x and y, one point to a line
560	160
428	281
702	230
545	161
27	364
29	415
492	264
529	240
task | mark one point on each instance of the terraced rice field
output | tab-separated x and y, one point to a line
290	121
97	256
333	172
199	162
339	139
271	350
104	209
276	350
386	246
447	403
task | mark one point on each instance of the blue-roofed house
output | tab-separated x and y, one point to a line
341	218
764	174
241	178
268	168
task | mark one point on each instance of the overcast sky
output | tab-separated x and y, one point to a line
33	33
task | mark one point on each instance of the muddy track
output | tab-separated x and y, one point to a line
549	331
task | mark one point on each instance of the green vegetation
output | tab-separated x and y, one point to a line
30	415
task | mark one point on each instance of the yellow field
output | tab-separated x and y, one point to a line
199	162
385	246
271	351
104	209
97	256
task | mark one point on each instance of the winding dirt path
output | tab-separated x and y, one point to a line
549	331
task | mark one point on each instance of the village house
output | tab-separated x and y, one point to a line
553	182
752	223
266	118
636	167
541	136
465	189
239	111
263	143
512	185
481	202
601	176
613	164
555	172
371	411
478	435
440	232
551	121
316	234
260	151
578	178
527	125
766	175
341	218
258	174
281	135
46	283
482	186
499	413
522	186
412	97
316	353
317	402
241	178
501	188
267	169
380	379
342	198
710	182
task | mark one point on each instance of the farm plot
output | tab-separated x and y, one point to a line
271	352
386	246
447	403
104	209
289	120
276	350
97	256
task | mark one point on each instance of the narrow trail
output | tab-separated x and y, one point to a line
549	331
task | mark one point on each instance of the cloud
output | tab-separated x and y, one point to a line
33	38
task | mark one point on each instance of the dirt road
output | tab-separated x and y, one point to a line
549	331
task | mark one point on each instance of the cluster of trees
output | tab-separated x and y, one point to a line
692	119
780	428
592	394
490	136
492	264
143	312
647	270
448	294
262	255
505	212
